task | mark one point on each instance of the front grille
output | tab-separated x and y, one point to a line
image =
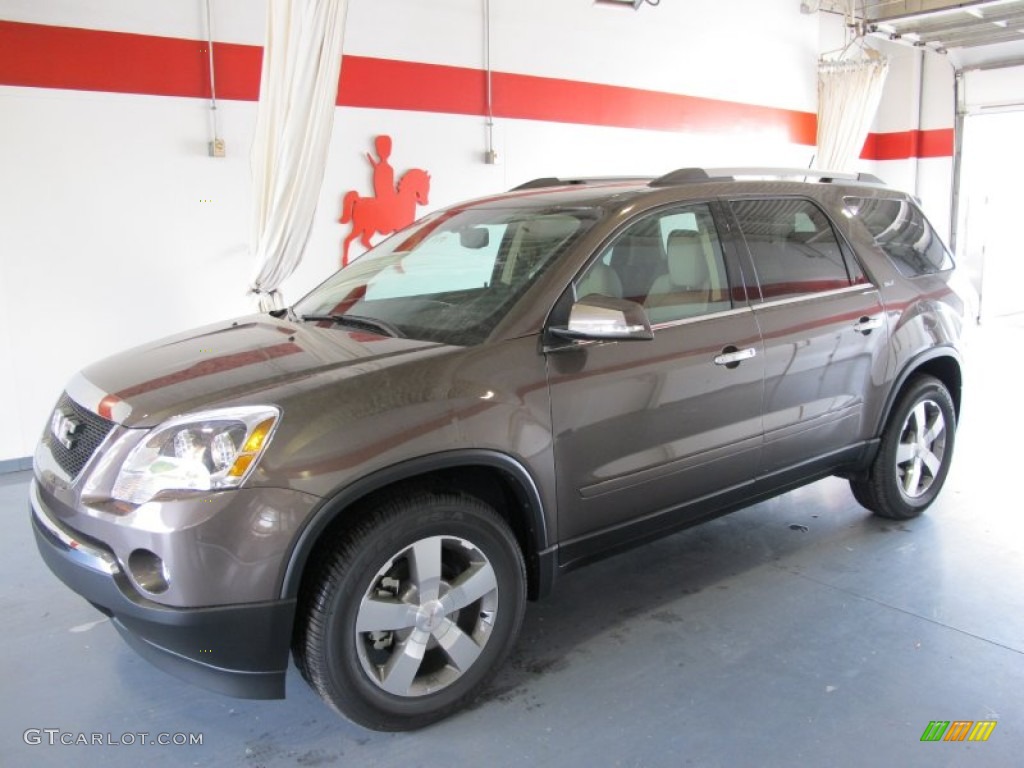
91	431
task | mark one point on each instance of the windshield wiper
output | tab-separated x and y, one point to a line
359	321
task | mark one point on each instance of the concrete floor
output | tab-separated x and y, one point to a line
745	642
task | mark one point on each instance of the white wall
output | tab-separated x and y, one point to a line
105	238
236	21
918	96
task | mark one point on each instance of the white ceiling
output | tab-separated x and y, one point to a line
979	33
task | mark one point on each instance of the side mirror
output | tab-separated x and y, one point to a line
597	317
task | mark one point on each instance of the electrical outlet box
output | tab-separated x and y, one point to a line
218	148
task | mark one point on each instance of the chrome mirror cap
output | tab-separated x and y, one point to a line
597	317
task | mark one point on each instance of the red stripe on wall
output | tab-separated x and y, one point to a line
391	84
91	60
903	145
42	56
568	101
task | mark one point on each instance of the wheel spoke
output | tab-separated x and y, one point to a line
425	567
920	419
400	671
470	587
384	614
904	453
932	462
936	429
912	478
457	644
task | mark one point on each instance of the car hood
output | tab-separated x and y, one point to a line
230	362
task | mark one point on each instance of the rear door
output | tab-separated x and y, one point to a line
646	429
824	332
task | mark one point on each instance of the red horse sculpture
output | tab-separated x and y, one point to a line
384	215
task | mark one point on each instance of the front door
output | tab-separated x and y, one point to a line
644	430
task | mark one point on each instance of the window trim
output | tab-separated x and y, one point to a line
858	288
669	324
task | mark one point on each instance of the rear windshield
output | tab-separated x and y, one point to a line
902	231
452	276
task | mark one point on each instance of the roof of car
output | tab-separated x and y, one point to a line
688	182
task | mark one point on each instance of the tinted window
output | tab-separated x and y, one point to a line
793	246
670	262
902	231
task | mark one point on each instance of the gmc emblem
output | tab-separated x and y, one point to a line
64	428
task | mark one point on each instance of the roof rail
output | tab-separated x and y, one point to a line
691	175
551	181
681	176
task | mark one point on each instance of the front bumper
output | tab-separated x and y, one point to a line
240	650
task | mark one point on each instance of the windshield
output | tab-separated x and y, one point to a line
452	276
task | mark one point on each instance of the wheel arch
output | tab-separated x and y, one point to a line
943	363
491	476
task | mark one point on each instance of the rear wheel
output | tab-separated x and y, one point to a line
914	456
409	614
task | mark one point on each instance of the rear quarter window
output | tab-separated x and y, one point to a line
902	231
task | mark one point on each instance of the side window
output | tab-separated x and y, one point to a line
902	231
793	246
669	262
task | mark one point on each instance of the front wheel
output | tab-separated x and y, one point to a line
408	614
914	456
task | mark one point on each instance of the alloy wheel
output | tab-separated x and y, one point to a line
426	616
922	448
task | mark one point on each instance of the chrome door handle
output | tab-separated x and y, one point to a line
731	357
867	324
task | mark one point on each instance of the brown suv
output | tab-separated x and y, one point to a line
380	476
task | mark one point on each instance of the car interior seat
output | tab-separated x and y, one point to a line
686	289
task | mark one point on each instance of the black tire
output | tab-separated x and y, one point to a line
913	458
371	574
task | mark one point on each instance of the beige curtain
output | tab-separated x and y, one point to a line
849	91
298	93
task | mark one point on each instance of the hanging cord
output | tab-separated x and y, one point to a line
215	145
490	156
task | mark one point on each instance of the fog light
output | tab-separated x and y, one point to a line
148	570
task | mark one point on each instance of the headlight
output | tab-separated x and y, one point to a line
206	451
